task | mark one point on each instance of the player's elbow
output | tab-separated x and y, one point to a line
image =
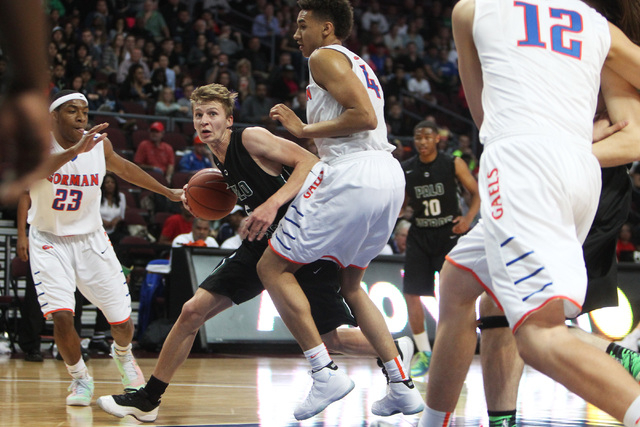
369	120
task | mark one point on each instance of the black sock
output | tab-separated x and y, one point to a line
155	389
502	418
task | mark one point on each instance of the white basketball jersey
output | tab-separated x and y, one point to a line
321	106
562	43
68	201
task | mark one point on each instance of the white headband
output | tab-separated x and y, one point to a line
58	102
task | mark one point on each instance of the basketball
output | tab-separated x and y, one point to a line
208	195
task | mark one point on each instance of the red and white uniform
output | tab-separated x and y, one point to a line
349	204
68	246
539	182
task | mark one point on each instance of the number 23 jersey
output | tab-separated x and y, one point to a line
68	201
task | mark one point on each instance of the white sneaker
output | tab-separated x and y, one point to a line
328	386
402	397
81	392
406	353
130	373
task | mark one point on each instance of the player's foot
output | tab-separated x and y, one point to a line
33	356
99	346
130	372
403	396
81	392
405	348
136	403
420	363
329	384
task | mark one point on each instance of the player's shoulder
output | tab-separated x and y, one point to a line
409	163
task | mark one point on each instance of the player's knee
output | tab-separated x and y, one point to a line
124	327
191	316
62	319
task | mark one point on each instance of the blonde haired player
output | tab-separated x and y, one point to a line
68	246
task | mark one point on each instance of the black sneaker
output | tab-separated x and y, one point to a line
100	346
33	356
136	403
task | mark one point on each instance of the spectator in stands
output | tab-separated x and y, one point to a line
153	20
419	86
113	205
175	225
397	123
154	88
447	73
200	27
230	42
200	235
286	86
198	158
625	247
134	58
374	14
81	60
58	80
228	232
133	88
93	47
216	6
243	69
255	109
266	26
185	100
170	74
299	105
222	66
394	41
167	105
398	243
170	12
112	55
259	62
411	60
413	36
183	27
154	154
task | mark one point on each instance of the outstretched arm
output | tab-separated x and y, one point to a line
134	174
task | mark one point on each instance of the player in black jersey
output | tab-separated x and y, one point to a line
265	172
432	180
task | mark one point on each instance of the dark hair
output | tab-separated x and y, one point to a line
338	12
426	124
622	13
116	191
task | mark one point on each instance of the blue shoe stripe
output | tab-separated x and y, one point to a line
529	276
539	290
519	258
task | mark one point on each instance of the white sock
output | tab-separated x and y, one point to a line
318	357
632	416
79	370
121	351
395	370
422	341
433	418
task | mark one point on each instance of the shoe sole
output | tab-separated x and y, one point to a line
415	410
78	403
305	417
107	404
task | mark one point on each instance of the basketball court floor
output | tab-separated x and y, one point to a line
249	390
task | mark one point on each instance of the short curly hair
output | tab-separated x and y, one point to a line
338	12
215	92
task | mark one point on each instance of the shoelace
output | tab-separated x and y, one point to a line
128	365
80	386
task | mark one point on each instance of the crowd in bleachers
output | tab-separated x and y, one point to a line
145	57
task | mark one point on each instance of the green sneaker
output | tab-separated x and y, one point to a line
130	373
420	363
81	392
629	359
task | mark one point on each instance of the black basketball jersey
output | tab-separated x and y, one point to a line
433	191
247	180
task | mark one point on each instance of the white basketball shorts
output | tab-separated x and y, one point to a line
538	202
88	261
345	212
